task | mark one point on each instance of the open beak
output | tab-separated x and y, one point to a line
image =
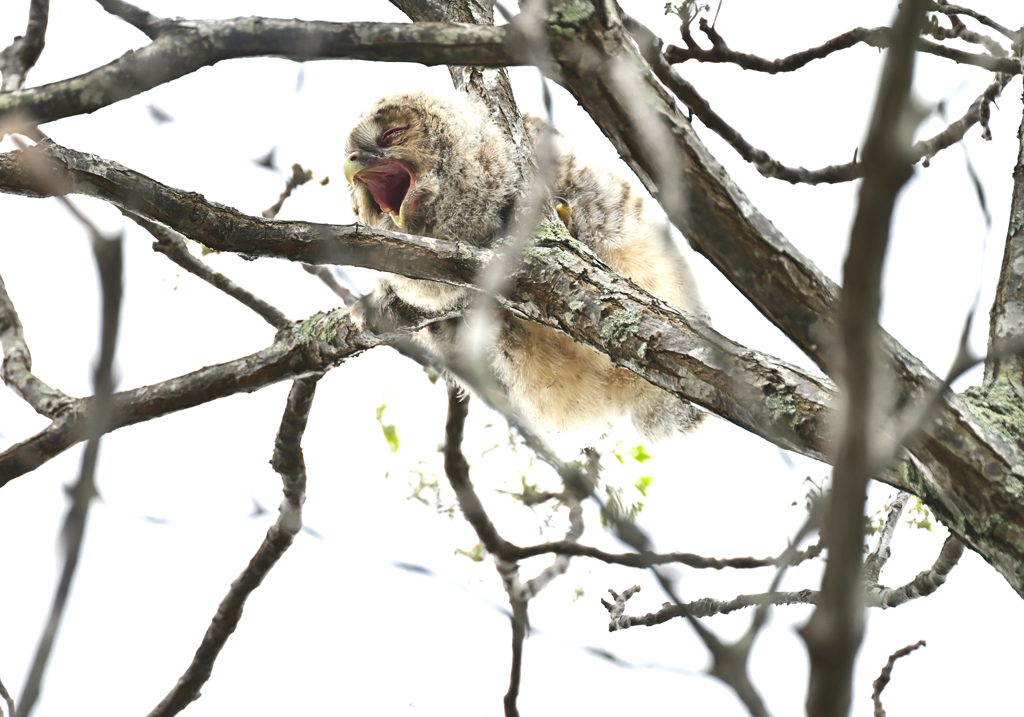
389	182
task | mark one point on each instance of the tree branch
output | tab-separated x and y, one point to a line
16	369
21	55
880	37
171	244
770	167
983	19
289	463
836	628
883	678
182	47
1007	313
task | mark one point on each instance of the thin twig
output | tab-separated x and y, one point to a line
875	37
172	245
17	364
883	678
770	167
109	261
983	19
288	461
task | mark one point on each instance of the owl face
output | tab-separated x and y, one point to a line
391	166
432	165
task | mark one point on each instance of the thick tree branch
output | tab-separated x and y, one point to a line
1007	314
182	47
722	223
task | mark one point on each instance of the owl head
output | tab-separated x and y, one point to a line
432	165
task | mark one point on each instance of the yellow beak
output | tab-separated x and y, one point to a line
351	168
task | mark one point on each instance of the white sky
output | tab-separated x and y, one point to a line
336	628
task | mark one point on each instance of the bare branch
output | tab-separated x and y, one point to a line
983	19
138	18
880	37
109	262
883	678
172	245
20	56
289	463
959	31
182	47
925	583
457	469
8	699
836	628
17	364
771	167
310	347
880	555
647	559
299	176
1008	307
706	607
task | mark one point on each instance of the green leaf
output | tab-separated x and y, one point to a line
390	432
640	454
477	553
642	484
391	436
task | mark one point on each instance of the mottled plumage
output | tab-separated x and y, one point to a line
440	167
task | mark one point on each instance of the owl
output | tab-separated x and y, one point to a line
441	167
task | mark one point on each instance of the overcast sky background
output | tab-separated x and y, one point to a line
337	628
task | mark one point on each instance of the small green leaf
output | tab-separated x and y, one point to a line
390	435
642	484
390	432
640	454
477	553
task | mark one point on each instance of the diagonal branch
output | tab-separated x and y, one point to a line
288	462
21	55
171	244
16	370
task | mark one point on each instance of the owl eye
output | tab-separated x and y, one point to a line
389	137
